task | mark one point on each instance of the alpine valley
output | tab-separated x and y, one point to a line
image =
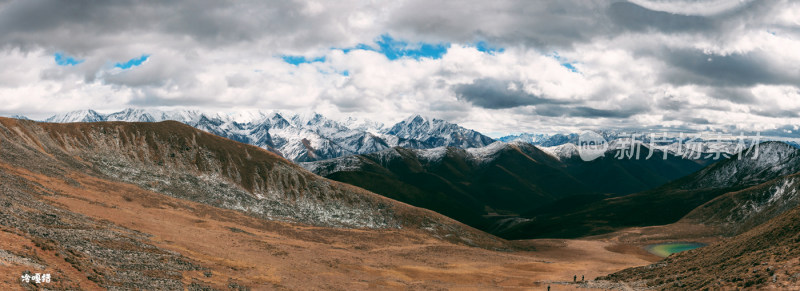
252	200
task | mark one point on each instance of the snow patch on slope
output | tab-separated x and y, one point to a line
561	152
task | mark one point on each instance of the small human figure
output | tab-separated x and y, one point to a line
548	287
582	280
575	279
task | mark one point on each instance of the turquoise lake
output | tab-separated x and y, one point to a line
666	249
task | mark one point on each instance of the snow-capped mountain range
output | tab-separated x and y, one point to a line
310	136
542	139
691	145
302	137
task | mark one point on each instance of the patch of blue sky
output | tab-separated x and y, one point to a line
570	67
388	46
564	63
297	60
485	47
329	71
134	62
395	49
65	60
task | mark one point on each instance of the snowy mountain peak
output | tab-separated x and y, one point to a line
244	116
562	152
415	119
276	120
131	114
308	118
367	125
487	152
437	132
531	138
86	115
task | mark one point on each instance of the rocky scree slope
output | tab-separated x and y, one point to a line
178	161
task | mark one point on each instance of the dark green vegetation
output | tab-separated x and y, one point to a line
488	189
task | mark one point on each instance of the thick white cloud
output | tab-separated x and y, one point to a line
565	64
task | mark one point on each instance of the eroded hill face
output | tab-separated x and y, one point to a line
82	201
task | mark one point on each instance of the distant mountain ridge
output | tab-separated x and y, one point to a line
541	139
302	137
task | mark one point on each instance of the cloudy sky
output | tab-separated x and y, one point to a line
495	66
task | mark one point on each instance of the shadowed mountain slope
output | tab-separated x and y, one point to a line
462	184
487	187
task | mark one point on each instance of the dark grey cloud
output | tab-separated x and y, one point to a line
559	24
670	103
789	130
496	94
778	113
543	24
689	119
588	112
697	120
690	66
740	95
80	26
634	17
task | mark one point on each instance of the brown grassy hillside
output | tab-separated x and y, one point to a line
766	257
